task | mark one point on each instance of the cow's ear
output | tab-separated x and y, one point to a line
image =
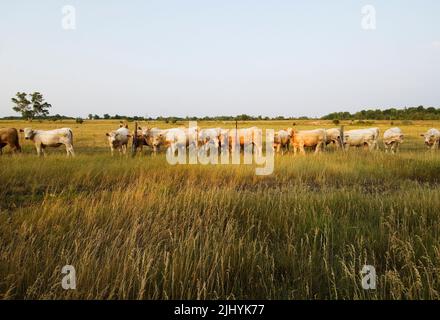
107	134
129	135
126	126
21	130
139	128
422	135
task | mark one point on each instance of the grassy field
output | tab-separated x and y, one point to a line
139	228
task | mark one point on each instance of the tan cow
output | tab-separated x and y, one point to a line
50	138
244	138
392	138
307	138
9	136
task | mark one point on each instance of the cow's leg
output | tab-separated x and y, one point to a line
39	149
301	149
69	148
318	147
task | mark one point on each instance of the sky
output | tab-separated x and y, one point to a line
220	57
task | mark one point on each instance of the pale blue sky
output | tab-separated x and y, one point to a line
225	57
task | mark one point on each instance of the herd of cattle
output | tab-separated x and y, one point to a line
156	139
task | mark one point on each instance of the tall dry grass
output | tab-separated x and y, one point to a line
142	229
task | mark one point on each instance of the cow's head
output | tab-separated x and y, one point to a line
157	139
430	138
291	132
28	133
112	137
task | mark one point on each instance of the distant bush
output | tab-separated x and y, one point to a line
79	120
336	122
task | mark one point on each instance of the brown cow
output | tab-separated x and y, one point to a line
9	136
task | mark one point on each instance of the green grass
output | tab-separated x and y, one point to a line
142	229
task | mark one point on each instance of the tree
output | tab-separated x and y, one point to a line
106	116
22	105
90	116
29	109
39	106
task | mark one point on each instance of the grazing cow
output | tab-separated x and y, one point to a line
118	139
361	138
307	138
392	138
51	138
281	141
334	136
9	136
432	139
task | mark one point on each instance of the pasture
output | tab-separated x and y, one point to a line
139	228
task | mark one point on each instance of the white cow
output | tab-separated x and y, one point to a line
118	139
50	138
152	137
432	138
392	138
281	141
361	138
176	138
334	136
307	138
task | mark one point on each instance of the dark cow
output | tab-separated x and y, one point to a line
9	136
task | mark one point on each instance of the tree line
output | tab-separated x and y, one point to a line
33	106
412	113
